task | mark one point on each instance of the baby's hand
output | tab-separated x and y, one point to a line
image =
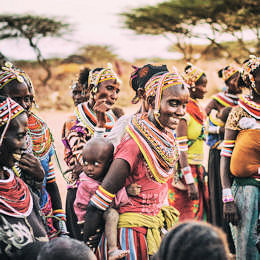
133	189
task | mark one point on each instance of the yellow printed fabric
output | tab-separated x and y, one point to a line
167	218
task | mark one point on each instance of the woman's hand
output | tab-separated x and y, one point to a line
230	212
100	108
93	241
31	166
193	193
76	171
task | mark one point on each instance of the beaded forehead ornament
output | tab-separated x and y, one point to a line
96	77
191	75
229	72
249	67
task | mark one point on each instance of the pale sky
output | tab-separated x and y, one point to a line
94	22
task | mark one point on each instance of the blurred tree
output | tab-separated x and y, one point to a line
32	28
209	20
96	53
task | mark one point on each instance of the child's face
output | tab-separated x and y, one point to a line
94	163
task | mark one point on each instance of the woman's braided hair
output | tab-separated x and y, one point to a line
193	240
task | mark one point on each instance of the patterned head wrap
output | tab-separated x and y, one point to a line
9	73
9	109
141	75
192	74
160	82
248	68
229	71
96	77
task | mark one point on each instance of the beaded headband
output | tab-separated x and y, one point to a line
8	73
191	75
9	109
249	67
229	72
160	82
96	77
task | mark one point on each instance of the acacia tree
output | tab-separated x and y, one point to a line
202	19
33	29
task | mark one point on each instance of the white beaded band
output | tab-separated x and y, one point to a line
213	129
227	195
188	178
99	132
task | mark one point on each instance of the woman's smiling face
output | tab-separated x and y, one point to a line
173	105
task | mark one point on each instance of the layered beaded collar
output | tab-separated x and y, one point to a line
89	119
159	149
250	106
15	197
226	99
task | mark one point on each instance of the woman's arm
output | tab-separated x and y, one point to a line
182	139
112	183
229	208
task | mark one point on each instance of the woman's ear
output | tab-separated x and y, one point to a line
140	93
151	101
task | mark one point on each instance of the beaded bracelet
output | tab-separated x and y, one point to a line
227	148
182	143
187	173
227	195
102	198
60	213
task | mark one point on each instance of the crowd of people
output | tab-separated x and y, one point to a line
137	185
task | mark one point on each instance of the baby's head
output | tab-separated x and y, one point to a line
97	156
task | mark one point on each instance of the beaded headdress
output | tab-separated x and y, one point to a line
229	71
249	67
192	74
9	109
96	77
9	73
160	82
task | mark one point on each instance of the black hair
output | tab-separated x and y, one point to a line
141	76
83	77
66	249
193	240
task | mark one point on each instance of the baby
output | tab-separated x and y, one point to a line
97	156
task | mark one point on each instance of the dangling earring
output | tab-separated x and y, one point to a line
251	96
193	89
156	117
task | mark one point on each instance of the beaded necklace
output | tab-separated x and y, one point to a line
15	197
226	99
159	149
196	111
89	119
250	106
41	137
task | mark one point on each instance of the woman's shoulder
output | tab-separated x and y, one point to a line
234	117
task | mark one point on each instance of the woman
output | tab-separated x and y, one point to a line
138	79
17	85
217	110
188	191
146	156
240	156
20	218
90	118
